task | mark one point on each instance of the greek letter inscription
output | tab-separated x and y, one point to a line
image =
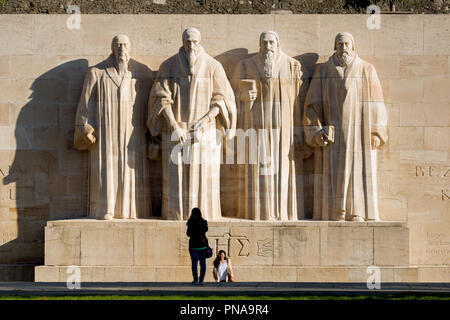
435	172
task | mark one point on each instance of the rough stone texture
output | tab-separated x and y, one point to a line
147	243
352	245
60	241
116	243
220	6
297	246
389	246
44	179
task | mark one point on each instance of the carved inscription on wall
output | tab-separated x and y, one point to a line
439	172
445	195
7	236
18	171
22	184
433	171
234	245
265	248
438	244
237	246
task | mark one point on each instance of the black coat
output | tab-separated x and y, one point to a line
196	232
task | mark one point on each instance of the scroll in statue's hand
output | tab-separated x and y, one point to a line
376	142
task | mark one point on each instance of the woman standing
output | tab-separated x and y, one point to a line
198	243
222	268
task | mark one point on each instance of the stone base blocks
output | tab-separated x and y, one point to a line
157	250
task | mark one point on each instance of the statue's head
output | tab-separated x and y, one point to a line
269	46
269	42
120	47
191	40
344	45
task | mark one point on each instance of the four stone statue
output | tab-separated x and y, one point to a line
267	116
345	120
194	109
110	123
190	99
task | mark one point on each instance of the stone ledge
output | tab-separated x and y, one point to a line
244	274
227	221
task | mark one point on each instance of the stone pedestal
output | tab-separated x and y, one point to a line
155	250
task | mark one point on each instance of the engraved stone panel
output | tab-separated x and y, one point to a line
158	245
391	246
116	243
62	246
346	246
297	246
252	245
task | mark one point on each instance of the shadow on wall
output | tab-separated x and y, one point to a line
305	181
229	172
47	178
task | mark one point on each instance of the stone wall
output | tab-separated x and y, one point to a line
42	65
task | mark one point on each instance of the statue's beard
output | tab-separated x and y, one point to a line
191	55
122	62
268	58
344	58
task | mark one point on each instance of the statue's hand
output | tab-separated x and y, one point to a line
201	124
90	139
376	142
179	135
320	139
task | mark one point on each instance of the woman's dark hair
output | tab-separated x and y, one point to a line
196	215
217	259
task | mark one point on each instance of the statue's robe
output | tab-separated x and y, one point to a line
267	176
114	108
351	100
191	174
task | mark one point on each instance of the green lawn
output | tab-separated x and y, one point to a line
280	297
